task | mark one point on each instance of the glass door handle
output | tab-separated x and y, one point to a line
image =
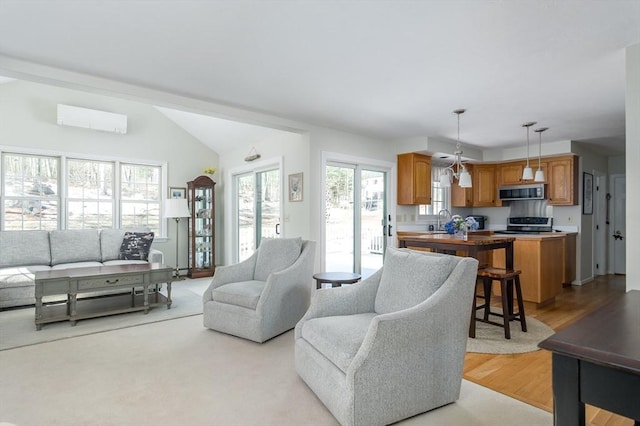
277	229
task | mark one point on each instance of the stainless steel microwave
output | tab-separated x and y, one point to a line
523	192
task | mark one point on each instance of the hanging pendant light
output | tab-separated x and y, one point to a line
527	173
539	173
456	170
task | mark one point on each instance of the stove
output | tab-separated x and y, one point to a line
527	225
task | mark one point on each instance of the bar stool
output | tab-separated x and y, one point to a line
508	280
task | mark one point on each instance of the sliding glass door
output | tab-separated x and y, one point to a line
356	218
257	209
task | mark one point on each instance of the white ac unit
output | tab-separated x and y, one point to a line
91	119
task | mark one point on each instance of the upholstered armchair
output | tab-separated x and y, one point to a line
392	346
266	294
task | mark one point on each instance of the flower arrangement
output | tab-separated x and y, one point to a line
458	223
209	170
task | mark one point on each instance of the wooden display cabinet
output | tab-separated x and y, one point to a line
201	199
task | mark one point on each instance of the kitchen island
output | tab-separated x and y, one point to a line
547	260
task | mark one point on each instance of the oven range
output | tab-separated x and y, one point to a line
527	225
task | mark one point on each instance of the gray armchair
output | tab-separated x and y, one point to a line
392	346
264	295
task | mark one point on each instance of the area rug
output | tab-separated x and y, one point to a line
179	373
490	338
17	326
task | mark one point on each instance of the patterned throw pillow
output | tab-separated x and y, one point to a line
136	245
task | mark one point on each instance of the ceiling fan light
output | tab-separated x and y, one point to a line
527	173
539	176
465	179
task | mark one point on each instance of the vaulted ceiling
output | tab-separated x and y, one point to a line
387	69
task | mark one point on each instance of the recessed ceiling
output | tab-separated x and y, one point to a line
388	69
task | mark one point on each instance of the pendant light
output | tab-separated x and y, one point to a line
456	170
527	173
539	173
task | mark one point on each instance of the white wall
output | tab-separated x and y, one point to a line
632	106
28	112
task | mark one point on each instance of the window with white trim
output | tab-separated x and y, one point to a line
55	192
440	197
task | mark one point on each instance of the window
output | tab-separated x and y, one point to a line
97	193
30	195
90	197
140	194
440	197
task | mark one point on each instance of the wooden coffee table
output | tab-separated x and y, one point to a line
76	281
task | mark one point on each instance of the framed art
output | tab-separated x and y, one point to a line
295	187
177	192
587	193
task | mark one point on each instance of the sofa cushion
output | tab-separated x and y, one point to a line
241	293
20	276
276	254
111	240
77	245
136	245
22	248
338	338
410	277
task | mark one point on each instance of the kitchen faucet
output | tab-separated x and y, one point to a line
447	215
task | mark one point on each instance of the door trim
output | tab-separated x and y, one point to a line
388	167
230	232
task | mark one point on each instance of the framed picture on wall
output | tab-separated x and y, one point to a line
295	187
587	193
177	192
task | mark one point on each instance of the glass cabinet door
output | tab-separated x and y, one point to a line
201	227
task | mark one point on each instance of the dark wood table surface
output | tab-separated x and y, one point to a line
336	278
596	361
445	243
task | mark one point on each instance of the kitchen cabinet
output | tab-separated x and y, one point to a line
200	197
537	257
511	173
414	179
485	191
569	258
562	178
462	197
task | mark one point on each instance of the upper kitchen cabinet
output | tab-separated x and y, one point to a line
484	185
414	178
562	177
511	173
462	197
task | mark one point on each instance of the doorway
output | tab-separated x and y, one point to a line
356	226
257	208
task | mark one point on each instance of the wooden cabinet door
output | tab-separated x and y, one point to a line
414	178
511	173
462	197
484	185
562	176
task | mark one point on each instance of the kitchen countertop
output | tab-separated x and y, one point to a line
541	236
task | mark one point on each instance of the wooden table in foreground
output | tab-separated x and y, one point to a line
445	243
596	361
100	278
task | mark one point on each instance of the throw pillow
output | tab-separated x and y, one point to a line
136	245
276	254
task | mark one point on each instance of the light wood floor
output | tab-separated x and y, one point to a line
527	377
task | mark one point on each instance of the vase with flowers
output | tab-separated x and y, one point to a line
460	226
209	171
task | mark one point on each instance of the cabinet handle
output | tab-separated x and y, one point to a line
112	282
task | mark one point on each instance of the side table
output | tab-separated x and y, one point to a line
335	278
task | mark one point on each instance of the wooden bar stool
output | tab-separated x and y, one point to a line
508	280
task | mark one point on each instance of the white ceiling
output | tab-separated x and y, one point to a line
388	69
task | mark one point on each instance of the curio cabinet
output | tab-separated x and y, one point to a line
200	194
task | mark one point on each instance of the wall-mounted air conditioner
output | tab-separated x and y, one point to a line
91	119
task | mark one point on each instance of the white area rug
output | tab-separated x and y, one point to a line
490	338
177	372
17	326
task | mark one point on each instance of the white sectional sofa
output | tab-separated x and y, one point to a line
22	253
